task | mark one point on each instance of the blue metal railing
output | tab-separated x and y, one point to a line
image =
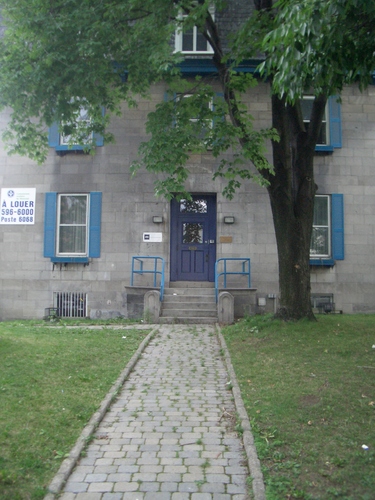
245	272
155	271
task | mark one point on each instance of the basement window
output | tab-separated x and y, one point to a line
70	304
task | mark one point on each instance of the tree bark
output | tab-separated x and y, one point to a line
292	190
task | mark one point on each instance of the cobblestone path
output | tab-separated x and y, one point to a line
170	434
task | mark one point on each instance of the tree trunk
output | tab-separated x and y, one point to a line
291	191
293	247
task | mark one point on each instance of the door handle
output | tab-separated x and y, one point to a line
206	257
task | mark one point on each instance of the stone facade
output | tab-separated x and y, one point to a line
28	280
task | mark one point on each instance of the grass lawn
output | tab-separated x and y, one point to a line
309	390
51	382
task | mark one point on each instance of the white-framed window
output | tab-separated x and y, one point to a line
192	40
320	245
72	217
81	119
72	226
64	144
306	104
327	239
209	105
330	136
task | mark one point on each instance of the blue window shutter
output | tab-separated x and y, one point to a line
99	139
50	224
168	97
334	109
337	202
54	135
95	224
219	95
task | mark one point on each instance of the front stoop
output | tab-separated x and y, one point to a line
189	303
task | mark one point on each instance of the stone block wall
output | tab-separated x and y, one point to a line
28	280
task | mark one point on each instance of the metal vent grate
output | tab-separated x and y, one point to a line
70	304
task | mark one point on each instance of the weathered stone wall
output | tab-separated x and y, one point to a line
28	280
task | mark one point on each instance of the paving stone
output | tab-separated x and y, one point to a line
100	487
180	496
112	496
213	488
158	496
149	487
76	487
169	487
124	487
167	422
68	496
95	478
88	496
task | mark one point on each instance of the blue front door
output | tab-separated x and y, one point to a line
193	238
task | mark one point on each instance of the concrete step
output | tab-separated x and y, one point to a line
189	301
166	320
189	305
191	284
192	292
188	313
202	305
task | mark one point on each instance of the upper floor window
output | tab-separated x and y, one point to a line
192	40
330	132
82	119
64	142
202	108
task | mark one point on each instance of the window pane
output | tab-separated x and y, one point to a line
201	42
320	211
72	239
192	232
72	230
322	139
320	238
306	106
187	41
81	117
73	209
319	241
193	206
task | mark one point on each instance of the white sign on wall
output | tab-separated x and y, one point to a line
152	237
17	206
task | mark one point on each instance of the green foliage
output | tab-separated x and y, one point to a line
193	119
58	56
51	54
319	45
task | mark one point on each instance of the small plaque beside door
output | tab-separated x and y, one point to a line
226	239
153	237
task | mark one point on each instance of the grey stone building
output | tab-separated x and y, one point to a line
73	230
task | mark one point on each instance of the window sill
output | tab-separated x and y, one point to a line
323	262
324	149
67	260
